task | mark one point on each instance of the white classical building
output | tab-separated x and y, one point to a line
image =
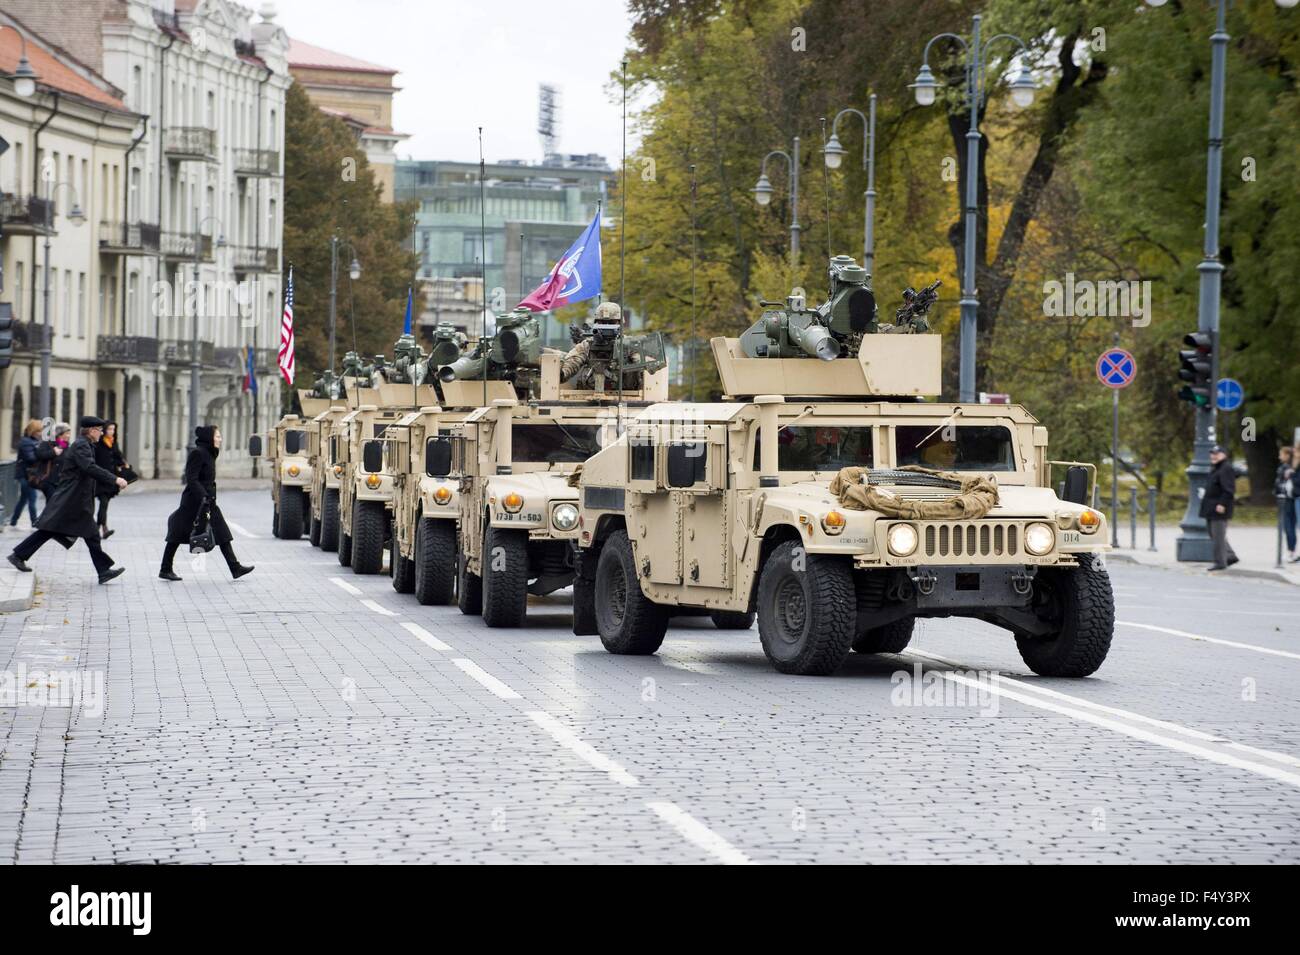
200	196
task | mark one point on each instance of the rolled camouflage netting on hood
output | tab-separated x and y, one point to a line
977	496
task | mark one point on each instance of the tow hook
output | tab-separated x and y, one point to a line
924	581
1023	582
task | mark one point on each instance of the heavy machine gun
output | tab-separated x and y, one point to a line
603	358
829	331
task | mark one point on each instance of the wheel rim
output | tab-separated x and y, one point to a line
616	596
789	616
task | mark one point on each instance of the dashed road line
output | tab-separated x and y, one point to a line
424	636
1225	643
378	608
697	833
585	751
346	587
490	682
241	531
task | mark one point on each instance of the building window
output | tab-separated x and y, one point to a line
81	305
81	403
67	405
16	425
99	402
67	303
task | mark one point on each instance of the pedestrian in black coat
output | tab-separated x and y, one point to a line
1216	506
198	508
70	512
109	457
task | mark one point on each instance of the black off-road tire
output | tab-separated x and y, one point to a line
890	638
313	529
435	561
584	594
1083	603
329	521
469	589
403	568
806	618
291	501
505	590
275	519
732	619
628	621
368	522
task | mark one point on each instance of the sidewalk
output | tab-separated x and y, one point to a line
1256	546
173	485
17	590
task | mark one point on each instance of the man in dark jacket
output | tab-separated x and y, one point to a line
71	511
1216	506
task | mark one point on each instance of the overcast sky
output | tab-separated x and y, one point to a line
468	63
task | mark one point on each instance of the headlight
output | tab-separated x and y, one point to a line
293	470
833	522
512	502
565	517
1089	521
338	470
1039	539
442	495
372	481
902	539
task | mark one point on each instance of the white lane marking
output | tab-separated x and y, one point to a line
1197	636
424	636
242	532
697	833
486	679
585	751
372	605
346	587
1191	749
1231	610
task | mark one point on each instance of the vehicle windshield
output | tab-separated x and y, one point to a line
960	448
553	443
820	448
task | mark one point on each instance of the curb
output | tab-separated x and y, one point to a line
1278	576
17	591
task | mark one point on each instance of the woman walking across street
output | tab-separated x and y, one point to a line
1282	489
198	508
24	472
48	454
109	457
71	511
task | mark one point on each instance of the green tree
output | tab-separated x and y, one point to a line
330	189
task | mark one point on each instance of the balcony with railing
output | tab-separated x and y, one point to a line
126	350
179	352
257	162
129	238
26	215
248	259
179	247
190	142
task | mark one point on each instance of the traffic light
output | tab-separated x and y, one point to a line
1197	361
6	334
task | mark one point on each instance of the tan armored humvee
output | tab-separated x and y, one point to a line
365	482
728	507
284	448
426	502
518	513
323	523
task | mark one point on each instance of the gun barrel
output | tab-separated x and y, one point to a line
444	352
466	366
817	342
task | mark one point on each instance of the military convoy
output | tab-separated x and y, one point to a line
827	494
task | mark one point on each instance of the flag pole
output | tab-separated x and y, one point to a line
482	268
622	247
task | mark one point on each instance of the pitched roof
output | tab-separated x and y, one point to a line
305	55
53	70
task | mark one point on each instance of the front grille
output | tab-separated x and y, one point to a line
974	539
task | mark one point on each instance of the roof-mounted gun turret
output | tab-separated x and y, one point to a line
601	352
853	356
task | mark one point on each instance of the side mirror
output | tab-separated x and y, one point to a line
372	456
1075	489
292	442
437	457
255	446
686	464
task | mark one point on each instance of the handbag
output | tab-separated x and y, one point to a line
128	473
202	541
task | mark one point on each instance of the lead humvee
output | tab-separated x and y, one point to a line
518	509
740	507
285	450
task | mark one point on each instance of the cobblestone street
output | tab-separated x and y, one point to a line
308	714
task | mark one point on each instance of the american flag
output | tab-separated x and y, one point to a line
286	332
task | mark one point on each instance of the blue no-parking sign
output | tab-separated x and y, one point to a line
1116	368
1229	395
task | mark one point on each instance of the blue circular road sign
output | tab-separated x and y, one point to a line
1116	368
1229	395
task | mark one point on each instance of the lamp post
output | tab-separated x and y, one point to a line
1193	544
1022	94
76	217
24	76
354	272
763	192
834	155
198	310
